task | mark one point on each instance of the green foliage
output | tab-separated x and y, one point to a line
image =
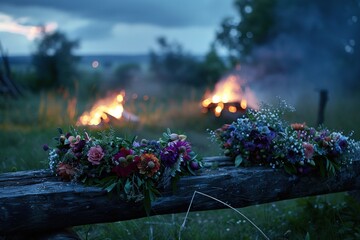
54	61
252	27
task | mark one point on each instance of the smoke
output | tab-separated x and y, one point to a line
314	46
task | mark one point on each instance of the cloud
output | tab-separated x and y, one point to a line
20	26
113	26
94	30
163	13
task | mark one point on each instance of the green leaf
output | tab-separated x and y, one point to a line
290	169
133	139
84	180
110	187
330	167
127	187
307	237
238	160
311	162
139	181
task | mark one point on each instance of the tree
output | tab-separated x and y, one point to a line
213	67
172	64
54	60
251	27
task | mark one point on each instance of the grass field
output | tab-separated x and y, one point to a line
31	121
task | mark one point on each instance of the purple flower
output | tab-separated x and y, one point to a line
249	146
46	147
183	146
169	155
79	146
194	165
291	155
343	144
271	134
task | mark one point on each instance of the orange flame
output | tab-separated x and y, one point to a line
231	89
100	112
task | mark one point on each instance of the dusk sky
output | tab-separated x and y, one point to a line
113	26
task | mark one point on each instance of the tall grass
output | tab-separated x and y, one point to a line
322	217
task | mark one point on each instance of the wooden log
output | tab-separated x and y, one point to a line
36	201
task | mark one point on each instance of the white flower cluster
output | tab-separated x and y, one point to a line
53	159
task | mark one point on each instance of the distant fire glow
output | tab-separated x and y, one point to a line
104	108
9	24
230	94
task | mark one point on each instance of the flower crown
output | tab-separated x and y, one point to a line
262	137
135	170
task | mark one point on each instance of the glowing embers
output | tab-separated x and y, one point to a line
231	95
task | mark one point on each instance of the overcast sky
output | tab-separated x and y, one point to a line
113	26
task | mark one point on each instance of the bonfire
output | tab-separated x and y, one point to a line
230	94
106	110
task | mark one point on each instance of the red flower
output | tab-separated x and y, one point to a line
149	164
126	162
298	126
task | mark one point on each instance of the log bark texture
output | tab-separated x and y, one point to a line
36	201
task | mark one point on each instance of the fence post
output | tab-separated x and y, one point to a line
322	105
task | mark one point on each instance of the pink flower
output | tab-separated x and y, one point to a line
95	154
308	150
74	140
